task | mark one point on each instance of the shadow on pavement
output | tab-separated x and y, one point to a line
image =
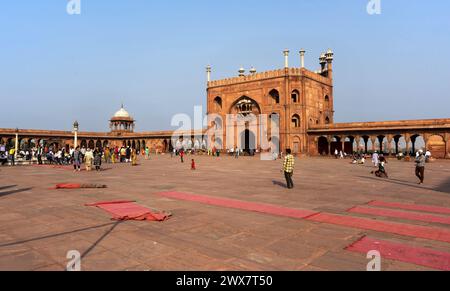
277	183
7	187
6	193
58	234
100	239
444	188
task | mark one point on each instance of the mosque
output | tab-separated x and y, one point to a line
302	99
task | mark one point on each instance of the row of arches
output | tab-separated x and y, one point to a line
273	99
25	143
389	145
55	144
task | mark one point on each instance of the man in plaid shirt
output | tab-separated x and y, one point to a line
288	168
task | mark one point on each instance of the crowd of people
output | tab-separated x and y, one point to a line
91	158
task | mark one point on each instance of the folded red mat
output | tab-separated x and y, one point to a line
79	186
128	210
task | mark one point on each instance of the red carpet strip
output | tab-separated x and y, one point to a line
128	210
71	186
425	208
424	232
242	205
404	253
400	214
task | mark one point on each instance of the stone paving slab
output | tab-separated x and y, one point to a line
38	226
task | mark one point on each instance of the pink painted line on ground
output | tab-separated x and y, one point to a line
426	208
404	253
424	232
243	205
400	214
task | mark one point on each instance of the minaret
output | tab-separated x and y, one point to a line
323	62
208	73
302	58
329	56
286	58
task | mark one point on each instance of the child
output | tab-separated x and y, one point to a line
193	165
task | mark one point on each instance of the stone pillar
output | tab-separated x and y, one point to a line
389	147
356	139
373	139
16	144
302	58
286	58
75	140
407	139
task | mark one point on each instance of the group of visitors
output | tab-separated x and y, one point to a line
94	158
421	159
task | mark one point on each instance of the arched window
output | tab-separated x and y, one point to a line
327	120
296	121
295	96
274	96
218	103
327	101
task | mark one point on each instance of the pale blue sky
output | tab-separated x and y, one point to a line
151	55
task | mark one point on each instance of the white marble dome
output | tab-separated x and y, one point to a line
122	113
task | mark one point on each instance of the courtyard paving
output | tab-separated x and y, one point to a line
38	226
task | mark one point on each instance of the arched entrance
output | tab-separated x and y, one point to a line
91	144
323	146
248	141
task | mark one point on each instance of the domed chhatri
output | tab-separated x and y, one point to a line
122	121
122	113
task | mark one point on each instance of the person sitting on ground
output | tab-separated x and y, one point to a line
381	173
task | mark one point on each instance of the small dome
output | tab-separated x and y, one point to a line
122	113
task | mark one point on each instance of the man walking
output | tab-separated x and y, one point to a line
12	154
288	168
375	159
420	167
77	158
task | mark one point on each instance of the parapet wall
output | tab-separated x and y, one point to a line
294	72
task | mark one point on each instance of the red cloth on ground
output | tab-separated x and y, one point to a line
128	210
68	186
